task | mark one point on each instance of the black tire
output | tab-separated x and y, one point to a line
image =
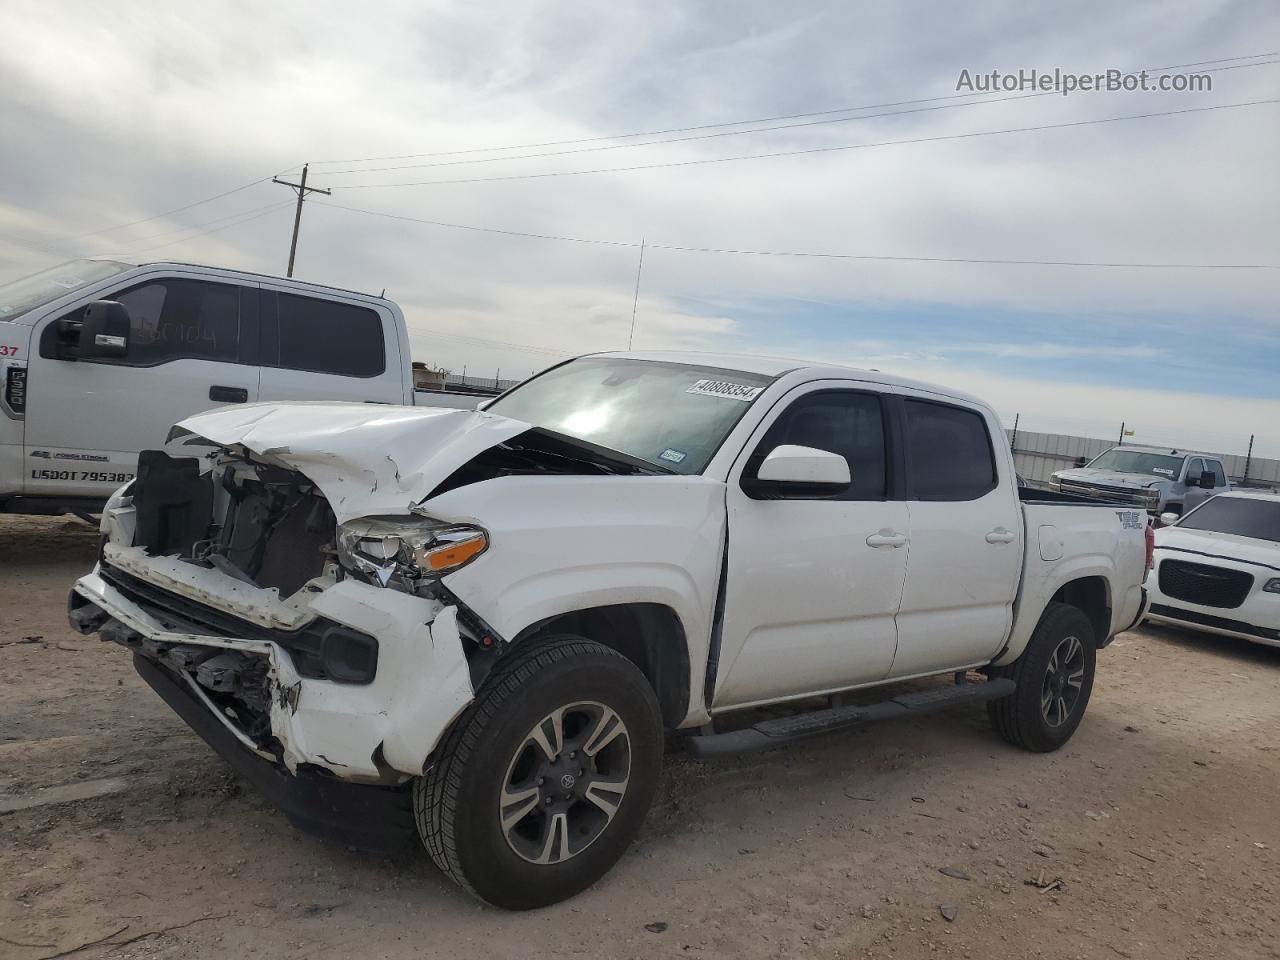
457	803
1023	718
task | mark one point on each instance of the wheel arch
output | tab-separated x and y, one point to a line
650	635
1091	595
1085	583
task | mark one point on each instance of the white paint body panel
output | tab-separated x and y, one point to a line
368	460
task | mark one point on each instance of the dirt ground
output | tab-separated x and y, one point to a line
1159	819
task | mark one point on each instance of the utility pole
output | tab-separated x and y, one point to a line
1120	442
301	189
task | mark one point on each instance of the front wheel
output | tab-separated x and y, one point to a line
1054	678
543	782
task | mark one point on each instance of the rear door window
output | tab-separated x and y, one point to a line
323	336
949	452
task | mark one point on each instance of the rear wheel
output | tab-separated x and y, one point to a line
1054	678
543	782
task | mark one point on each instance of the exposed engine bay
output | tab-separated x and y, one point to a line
264	525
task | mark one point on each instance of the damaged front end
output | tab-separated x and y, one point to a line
315	645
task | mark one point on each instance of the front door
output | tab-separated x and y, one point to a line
88	419
814	578
966	539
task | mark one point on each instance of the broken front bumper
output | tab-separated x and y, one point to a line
376	732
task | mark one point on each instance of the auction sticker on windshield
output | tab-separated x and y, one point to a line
725	388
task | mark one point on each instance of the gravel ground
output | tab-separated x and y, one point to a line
1154	833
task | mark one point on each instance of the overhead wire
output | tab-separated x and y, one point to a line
809	150
770	119
681	248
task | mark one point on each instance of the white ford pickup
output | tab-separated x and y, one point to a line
478	625
98	358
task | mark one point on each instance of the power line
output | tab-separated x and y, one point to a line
679	248
199	233
720	133
809	150
735	123
172	231
169	213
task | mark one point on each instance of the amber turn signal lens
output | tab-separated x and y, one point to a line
448	556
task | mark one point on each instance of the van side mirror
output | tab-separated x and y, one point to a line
1207	480
1169	518
104	331
789	463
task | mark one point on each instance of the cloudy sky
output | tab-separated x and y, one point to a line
115	112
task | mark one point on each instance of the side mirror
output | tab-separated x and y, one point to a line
1169	519
1207	480
1082	461
104	331
789	463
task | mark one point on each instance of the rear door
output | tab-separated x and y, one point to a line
814	578
192	347
317	348
965	556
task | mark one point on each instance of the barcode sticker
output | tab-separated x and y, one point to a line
725	388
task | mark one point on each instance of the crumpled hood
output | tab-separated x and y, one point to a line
1110	478
1246	549
367	459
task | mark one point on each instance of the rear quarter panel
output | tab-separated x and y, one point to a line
1070	542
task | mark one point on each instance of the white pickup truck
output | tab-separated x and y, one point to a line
478	625
98	358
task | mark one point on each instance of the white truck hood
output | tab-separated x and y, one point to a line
367	459
1231	546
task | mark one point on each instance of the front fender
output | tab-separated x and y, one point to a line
561	544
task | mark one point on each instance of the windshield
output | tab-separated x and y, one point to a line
1135	461
1239	516
673	415
40	288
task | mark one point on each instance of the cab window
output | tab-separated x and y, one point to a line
847	422
172	319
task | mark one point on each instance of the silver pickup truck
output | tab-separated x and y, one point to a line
1158	479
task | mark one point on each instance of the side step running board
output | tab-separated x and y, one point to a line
784	730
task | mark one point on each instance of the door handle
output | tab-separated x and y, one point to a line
887	538
1001	535
229	394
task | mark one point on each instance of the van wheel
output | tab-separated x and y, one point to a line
543	782
1054	678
